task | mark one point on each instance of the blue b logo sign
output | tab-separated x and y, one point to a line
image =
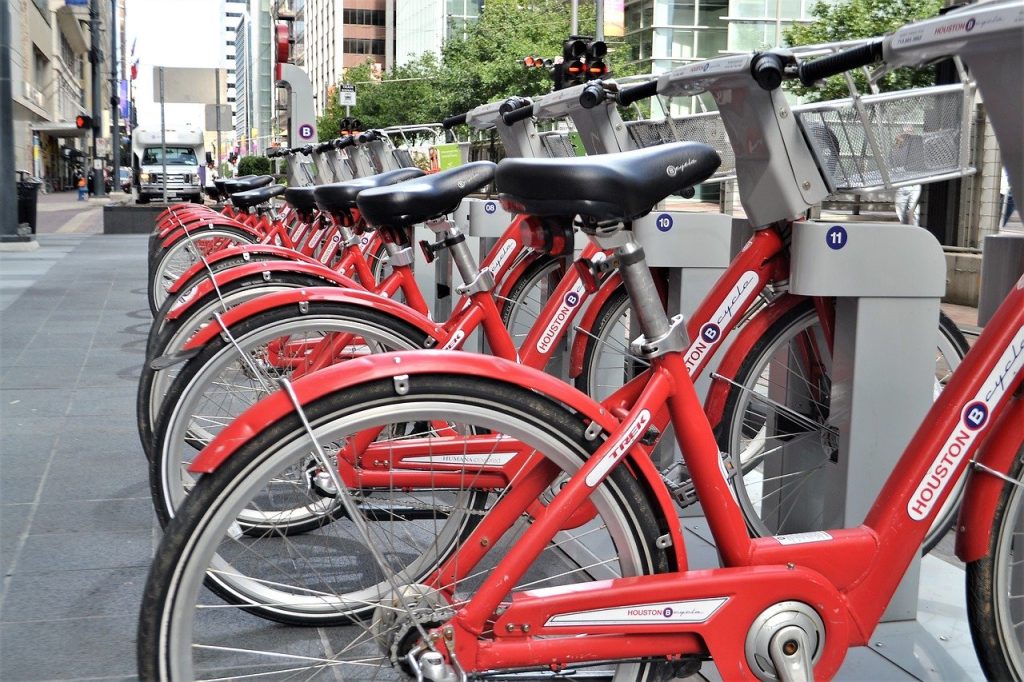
305	131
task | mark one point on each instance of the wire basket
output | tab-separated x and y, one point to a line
892	139
704	128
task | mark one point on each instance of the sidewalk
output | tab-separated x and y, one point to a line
63	213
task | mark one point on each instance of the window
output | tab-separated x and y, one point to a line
365	17
39	66
176	156
363	46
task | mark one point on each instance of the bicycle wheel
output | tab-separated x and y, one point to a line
227	378
173	261
160	317
775	426
153	383
607	362
528	295
329	578
995	587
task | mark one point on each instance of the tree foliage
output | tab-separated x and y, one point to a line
850	19
484	66
254	165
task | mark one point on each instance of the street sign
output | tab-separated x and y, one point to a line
191	86
347	95
225	117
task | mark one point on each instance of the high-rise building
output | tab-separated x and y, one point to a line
52	79
254	78
665	34
233	11
424	26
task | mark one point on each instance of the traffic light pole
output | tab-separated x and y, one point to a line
95	52
115	103
574	24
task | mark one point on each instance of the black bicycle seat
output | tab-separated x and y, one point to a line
609	187
234	185
341	196
430	196
301	198
255	197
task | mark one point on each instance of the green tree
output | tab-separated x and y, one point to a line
482	67
254	165
849	19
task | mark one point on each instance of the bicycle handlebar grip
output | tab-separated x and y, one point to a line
343	142
368	136
767	70
519	114
637	92
811	72
324	146
307	150
592	95
453	121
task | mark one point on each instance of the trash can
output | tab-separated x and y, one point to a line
28	197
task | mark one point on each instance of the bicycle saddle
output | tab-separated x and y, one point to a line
424	198
255	197
245	184
609	187
301	198
341	196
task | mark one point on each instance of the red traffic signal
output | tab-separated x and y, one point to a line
83	122
532	62
596	69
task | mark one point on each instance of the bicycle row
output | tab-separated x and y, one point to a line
446	514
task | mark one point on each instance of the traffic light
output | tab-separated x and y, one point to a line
596	68
83	122
349	126
574	51
532	62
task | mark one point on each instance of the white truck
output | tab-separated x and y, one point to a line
185	153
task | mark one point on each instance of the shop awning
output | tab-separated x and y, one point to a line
58	128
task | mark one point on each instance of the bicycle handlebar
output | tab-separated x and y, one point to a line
811	72
343	142
592	95
369	136
510	117
324	146
637	92
453	121
767	69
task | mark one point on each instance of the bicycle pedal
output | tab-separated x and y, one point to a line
677	479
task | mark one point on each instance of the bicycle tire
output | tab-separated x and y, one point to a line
607	363
175	260
770	501
528	295
154	383
219	266
172	614
992	607
215	386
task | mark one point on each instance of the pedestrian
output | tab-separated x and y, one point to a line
82	189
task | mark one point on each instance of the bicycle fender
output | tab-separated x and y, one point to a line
186	218
974	525
579	341
179	233
294	297
376	367
197	292
262	249
738	350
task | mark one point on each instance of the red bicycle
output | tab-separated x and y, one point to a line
509	524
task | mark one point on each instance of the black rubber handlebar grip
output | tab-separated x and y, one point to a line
517	114
767	70
592	95
637	92
343	142
453	121
811	72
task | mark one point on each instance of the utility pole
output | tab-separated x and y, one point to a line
8	191
96	59
115	102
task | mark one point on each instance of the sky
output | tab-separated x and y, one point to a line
183	33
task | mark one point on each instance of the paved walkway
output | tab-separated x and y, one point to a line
76	525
